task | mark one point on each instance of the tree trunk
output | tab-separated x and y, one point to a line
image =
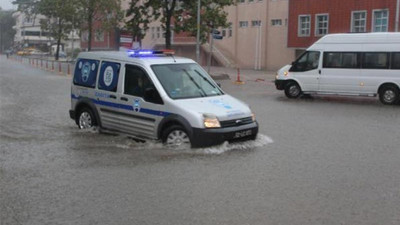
169	12
90	24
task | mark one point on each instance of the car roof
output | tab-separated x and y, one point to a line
122	56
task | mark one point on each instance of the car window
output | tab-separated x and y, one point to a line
108	78
136	81
86	72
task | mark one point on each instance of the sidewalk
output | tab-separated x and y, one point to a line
222	73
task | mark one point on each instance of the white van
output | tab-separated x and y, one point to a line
152	95
346	64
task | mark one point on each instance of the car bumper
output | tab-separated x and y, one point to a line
210	137
72	114
280	84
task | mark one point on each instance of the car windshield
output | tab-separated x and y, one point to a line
185	81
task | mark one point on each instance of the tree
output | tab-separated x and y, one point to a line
6	31
212	16
59	19
138	20
107	11
167	9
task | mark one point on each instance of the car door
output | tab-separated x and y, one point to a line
306	70
340	73
107	97
139	116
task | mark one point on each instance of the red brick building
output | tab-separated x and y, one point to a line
309	20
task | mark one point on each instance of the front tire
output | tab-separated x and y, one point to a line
292	90
86	119
389	95
176	136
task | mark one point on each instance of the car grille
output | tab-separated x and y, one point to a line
236	122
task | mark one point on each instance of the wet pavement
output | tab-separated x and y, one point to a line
320	160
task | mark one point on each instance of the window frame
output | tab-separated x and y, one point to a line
299	33
373	19
352	26
317	24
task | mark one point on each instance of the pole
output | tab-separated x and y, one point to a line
397	16
198	33
211	49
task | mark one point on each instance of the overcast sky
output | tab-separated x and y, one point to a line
6	4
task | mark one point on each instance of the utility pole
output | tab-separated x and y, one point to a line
198	33
397	16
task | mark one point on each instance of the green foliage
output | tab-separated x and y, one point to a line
138	19
59	20
107	11
6	31
212	16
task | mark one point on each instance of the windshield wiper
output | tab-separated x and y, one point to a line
208	81
197	85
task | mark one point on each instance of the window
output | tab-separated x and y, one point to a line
153	33
256	23
230	30
375	60
85	36
307	61
158	32
341	60
108	78
223	33
396	60
276	22
86	72
380	20
99	35
136	81
240	1
243	23
321	24
304	26
358	21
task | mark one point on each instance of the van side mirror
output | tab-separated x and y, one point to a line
152	95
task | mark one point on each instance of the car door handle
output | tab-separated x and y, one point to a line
124	99
113	96
319	71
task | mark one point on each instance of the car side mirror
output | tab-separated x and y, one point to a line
152	95
219	84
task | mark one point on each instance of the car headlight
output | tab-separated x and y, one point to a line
253	117
211	121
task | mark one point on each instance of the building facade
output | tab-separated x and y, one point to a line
309	20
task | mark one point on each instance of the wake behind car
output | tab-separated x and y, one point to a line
154	95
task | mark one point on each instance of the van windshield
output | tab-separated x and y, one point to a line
185	81
308	61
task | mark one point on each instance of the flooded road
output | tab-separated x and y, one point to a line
316	161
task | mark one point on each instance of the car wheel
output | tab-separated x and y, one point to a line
86	119
176	136
292	90
389	95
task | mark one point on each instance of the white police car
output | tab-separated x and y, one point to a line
153	95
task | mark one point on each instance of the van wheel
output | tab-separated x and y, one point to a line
292	90
86	120
389	95
176	136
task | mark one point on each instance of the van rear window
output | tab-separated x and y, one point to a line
376	60
86	72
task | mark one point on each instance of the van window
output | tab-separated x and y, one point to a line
307	61
86	72
375	60
108	78
396	60
341	60
136	81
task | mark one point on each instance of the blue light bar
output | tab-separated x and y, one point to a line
138	53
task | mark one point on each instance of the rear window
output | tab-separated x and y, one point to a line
86	72
108	78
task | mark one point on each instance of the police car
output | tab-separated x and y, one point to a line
154	95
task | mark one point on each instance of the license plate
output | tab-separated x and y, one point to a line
241	134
